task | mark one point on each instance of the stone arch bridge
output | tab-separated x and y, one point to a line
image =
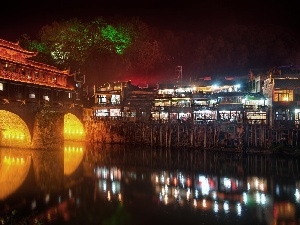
40	127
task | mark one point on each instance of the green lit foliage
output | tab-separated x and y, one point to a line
110	50
44	55
118	37
74	41
115	48
37	46
67	41
94	35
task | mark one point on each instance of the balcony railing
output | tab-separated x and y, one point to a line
9	75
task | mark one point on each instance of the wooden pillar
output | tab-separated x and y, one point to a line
204	141
192	136
151	135
167	129
160	135
178	135
170	136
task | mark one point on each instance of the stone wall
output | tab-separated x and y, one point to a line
48	130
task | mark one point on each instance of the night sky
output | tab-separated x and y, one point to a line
29	16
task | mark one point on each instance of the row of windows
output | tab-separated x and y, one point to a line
283	96
27	74
20	91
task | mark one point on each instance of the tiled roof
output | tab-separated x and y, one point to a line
15	47
287	83
293	69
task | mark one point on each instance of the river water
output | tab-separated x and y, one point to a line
139	185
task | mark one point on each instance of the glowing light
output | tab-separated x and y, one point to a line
73	128
175	181
297	195
162	179
73	156
245	198
263	199
257	197
256	183
108	196
47	198
188	182
15	132
226	207
204	185
160	196
239	209
216	207
118	37
113	187
195	203
196	193
176	193
188	193
214	195
13	171
166	199
227	183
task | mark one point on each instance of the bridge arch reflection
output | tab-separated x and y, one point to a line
14	168
73	156
20	166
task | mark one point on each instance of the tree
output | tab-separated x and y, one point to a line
115	49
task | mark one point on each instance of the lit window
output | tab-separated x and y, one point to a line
32	95
102	99
1	86
115	99
283	96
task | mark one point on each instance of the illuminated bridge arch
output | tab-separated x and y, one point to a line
73	128
13	130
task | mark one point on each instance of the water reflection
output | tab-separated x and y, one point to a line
109	184
233	188
34	181
13	171
73	156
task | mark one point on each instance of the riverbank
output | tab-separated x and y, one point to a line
249	138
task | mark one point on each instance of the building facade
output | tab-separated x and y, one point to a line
25	81
268	98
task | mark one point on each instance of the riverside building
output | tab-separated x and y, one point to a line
271	97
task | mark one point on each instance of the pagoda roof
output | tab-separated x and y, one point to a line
15	46
13	52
